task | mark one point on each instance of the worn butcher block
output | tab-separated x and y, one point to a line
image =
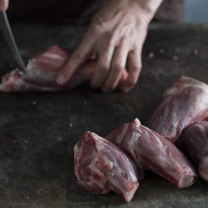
38	130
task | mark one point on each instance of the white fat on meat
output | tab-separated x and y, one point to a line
179	88
121	135
53	56
152	152
131	143
100	167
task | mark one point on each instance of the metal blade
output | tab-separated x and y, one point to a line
6	29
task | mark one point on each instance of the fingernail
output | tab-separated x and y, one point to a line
60	80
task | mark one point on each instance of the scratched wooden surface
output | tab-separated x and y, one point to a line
38	130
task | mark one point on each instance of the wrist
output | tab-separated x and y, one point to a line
149	7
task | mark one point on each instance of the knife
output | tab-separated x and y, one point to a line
6	29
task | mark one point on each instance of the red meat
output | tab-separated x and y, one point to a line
41	73
183	104
100	166
150	151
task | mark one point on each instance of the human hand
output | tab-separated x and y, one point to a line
3	5
117	34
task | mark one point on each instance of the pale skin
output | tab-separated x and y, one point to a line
3	5
117	33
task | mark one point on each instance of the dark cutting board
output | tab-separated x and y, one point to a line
39	130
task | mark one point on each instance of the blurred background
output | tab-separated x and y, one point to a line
196	11
189	11
81	12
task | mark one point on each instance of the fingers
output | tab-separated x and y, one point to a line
117	68
134	63
134	66
76	59
3	5
103	65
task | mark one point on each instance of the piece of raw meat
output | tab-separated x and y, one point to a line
41	73
195	142
183	104
100	166
152	152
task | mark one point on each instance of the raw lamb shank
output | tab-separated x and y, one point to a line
183	104
100	166
150	151
195	142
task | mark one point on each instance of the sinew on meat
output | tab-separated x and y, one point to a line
151	151
100	167
185	103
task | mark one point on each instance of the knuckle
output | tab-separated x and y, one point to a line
98	20
118	68
78	55
94	29
103	69
138	68
124	41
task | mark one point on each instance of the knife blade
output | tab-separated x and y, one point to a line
7	31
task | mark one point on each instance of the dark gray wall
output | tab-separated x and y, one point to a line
196	11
